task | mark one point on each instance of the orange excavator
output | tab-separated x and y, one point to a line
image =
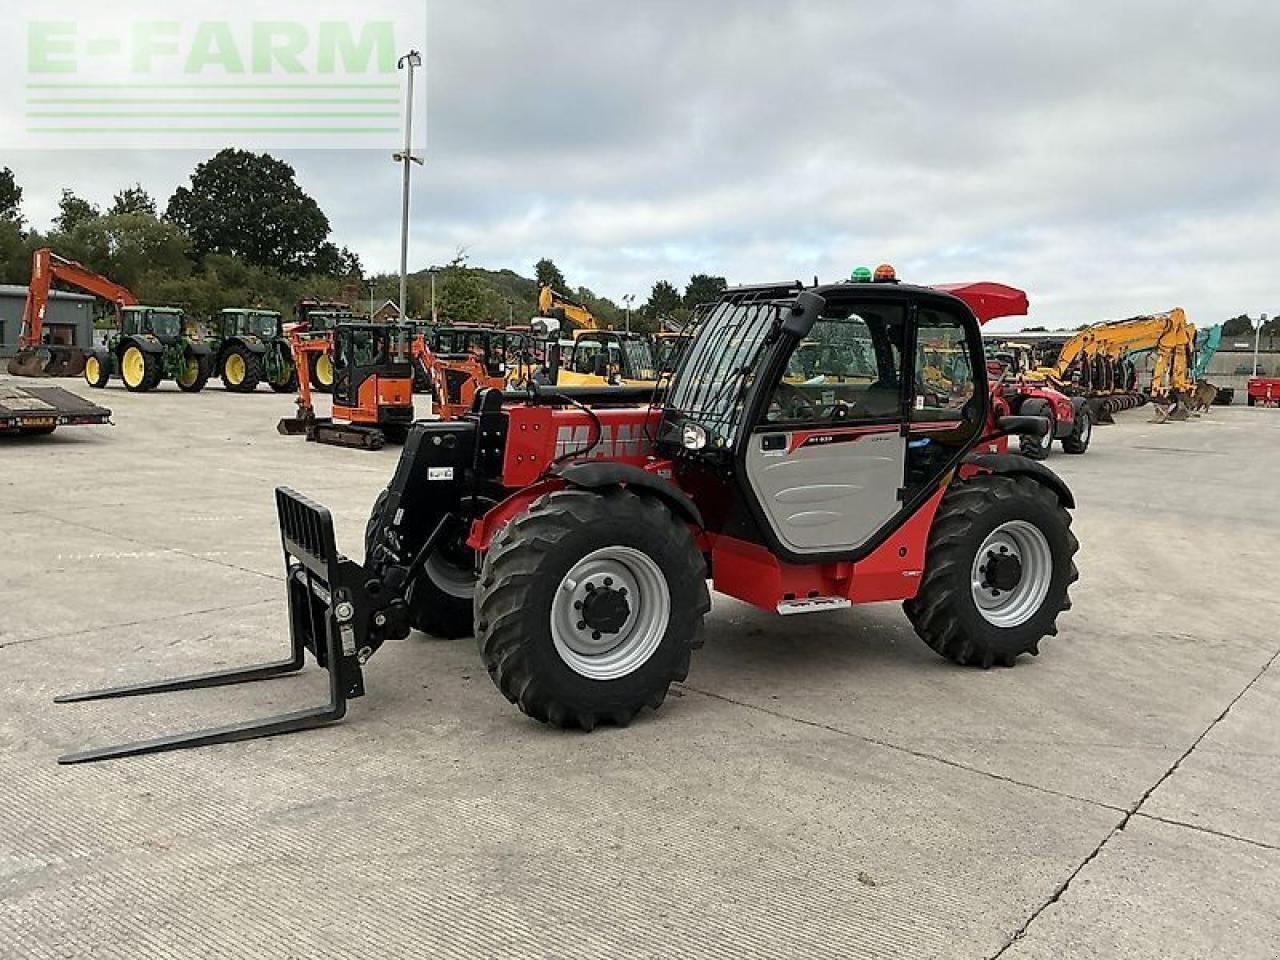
48	353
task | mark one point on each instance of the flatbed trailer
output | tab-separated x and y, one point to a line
31	411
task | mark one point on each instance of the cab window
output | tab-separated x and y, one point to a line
847	370
944	368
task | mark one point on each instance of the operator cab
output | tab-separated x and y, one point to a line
618	357
262	324
824	415
166	324
498	350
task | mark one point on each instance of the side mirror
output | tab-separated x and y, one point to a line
799	318
1023	426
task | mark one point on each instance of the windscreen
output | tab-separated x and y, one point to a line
263	324
640	359
709	386
165	324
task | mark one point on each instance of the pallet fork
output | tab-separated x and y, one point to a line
324	589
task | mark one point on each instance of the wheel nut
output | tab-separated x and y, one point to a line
582	624
577	604
595	634
608	581
344	611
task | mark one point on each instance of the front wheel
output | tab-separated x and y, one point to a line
1081	433
97	371
139	370
998	567
589	606
241	370
1033	447
440	600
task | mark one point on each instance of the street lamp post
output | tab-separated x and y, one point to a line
627	299
1257	335
412	60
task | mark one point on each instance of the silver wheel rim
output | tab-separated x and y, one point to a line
1014	606
600	655
451	579
1086	428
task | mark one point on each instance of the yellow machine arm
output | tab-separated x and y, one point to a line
1169	335
552	303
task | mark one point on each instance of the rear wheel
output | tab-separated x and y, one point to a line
241	370
140	371
195	372
321	370
999	564
1081	433
287	383
589	606
97	372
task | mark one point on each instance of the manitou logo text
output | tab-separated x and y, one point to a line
627	440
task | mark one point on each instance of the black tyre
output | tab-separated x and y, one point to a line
195	372
241	370
999	564
97	371
441	599
288	385
589	606
1037	448
1253	401
320	369
1081	433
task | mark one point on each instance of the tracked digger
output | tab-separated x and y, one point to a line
576	532
42	353
1098	362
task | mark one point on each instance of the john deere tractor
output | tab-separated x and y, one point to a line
152	344
250	347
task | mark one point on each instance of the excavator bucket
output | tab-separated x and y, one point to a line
48	361
29	363
294	426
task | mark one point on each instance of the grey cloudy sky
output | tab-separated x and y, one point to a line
1110	158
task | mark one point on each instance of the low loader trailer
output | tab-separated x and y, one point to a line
34	411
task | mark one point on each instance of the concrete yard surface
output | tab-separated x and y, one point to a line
822	786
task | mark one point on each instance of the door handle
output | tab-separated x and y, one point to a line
773	441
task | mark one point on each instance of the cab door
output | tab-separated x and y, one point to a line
826	457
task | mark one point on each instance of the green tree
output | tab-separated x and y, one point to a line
664	301
250	205
133	200
128	246
460	294
703	288
548	275
73	211
10	197
1237	326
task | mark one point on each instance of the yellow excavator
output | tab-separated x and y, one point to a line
594	356
1097	361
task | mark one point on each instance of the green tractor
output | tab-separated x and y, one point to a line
250	346
152	344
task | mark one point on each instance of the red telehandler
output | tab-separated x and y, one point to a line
576	531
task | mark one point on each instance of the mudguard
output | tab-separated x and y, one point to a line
145	344
1011	464
592	475
252	344
197	349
